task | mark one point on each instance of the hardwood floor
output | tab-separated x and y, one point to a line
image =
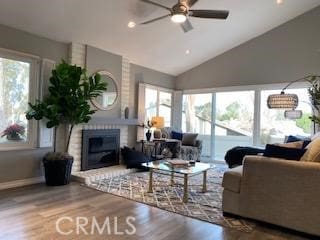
32	212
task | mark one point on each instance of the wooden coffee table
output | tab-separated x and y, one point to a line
161	167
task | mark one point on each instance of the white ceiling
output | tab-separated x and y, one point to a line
161	45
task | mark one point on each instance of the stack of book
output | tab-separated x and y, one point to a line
178	163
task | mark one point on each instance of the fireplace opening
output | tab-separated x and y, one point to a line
100	148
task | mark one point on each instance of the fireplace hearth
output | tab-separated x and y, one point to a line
100	148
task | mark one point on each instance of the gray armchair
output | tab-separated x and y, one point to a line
185	152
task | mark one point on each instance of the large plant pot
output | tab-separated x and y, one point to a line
57	172
14	137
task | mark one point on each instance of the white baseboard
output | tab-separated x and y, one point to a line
21	183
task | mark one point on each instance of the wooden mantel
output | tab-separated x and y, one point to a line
115	121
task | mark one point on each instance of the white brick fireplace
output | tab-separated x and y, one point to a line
78	56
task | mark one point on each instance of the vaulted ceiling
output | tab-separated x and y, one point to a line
161	45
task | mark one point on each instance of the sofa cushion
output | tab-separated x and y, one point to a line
189	139
283	152
232	179
313	152
176	135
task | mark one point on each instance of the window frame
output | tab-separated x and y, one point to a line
34	62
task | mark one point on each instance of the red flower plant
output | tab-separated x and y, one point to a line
14	129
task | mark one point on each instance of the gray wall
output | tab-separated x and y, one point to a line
149	76
139	74
283	54
28	43
24	164
97	60
15	165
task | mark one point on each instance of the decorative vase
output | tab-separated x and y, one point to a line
126	113
148	135
157	133
14	137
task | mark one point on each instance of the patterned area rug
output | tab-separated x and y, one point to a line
203	206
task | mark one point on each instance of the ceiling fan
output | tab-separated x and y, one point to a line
180	13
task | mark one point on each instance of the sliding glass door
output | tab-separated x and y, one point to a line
197	118
226	119
233	121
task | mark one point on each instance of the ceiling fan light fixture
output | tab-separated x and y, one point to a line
178	18
131	24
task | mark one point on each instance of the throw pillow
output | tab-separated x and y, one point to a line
189	139
313	152
133	158
283	152
176	135
298	144
291	138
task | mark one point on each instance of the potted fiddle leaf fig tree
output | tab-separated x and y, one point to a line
66	105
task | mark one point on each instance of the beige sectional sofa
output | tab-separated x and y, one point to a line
276	191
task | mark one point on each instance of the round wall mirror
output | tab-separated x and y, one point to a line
108	98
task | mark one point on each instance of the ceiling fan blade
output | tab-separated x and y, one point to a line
157	4
189	3
217	14
186	26
156	19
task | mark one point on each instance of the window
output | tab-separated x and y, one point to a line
229	118
165	107
15	92
151	103
158	102
233	121
197	118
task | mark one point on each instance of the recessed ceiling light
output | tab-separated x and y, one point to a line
131	24
187	51
279	2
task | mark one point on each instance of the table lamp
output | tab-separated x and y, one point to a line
157	123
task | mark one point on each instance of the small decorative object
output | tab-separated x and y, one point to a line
157	134
14	132
148	135
147	126
126	113
192	162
